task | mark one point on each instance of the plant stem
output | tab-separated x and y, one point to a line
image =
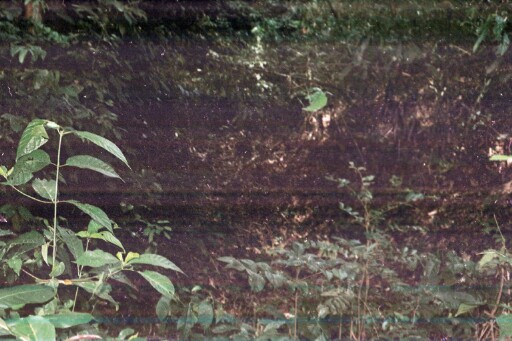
55	202
79	273
31	197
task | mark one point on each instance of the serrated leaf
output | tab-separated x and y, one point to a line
163	307
161	283
33	137
155	260
45	188
25	294
95	213
96	258
92	163
33	328
103	143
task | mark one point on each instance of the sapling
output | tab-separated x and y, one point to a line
93	267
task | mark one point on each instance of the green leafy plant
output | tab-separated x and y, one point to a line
67	257
343	288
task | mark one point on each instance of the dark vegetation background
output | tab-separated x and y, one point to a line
206	98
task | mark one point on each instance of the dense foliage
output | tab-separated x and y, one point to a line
256	98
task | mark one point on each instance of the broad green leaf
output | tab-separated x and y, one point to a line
453	299
93	227
186	322
19	176
4	233
34	161
25	166
276	279
92	163
103	235
45	188
33	137
99	289
25	294
272	327
52	125
155	260
33	328
465	308
413	196
256	281
69	319
58	269
103	143
15	264
130	256
205	314
22	53
44	251
232	263
73	243
32	237
224	328
317	100
121	278
163	308
3	171
95	213
125	333
4	326
161	283
25	242
504	45
96	258
505	324
488	256
501	158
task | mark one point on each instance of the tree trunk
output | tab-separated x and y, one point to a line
32	12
